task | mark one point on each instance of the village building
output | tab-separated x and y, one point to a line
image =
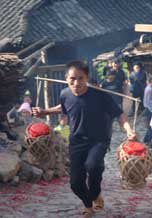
67	30
139	50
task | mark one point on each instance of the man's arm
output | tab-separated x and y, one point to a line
124	122
39	112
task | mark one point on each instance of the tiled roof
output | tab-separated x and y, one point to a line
12	12
64	20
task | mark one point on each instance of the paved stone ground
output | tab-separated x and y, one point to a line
55	199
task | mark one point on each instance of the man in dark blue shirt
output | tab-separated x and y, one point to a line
90	112
112	84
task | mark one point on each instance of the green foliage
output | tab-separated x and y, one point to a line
101	65
100	68
125	68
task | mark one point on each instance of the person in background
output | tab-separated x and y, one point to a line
63	128
147	101
107	67
25	112
13	115
138	83
86	109
150	142
27	97
113	85
120	75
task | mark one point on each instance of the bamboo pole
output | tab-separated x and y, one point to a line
46	100
46	95
94	87
39	84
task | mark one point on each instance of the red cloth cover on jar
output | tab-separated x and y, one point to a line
38	129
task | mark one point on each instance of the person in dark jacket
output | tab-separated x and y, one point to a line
113	85
120	75
138	83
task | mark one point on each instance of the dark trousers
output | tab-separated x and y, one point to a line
87	167
148	135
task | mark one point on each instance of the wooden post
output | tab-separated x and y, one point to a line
143	28
39	83
46	100
46	96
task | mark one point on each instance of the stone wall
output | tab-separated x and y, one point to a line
18	164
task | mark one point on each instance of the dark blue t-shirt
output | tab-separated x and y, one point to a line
89	115
113	86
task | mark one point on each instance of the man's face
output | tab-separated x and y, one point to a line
77	81
115	66
136	68
63	121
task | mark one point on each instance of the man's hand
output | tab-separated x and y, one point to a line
123	119
38	112
131	134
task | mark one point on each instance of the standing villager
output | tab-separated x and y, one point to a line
107	67
120	75
138	83
114	85
87	110
147	101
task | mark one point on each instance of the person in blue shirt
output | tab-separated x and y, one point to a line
147	101
138	83
113	85
89	111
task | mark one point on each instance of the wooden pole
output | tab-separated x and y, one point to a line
36	53
31	46
94	87
46	100
143	28
46	95
39	84
32	68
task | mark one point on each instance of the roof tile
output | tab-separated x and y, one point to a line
60	20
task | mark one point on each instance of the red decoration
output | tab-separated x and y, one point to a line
38	129
134	148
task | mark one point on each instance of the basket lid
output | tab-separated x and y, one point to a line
38	129
134	148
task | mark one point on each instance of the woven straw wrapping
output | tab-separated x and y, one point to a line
134	169
39	147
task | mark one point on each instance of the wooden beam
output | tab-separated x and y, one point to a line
31	46
49	68
37	53
143	28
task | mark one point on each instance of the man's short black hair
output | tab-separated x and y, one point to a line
79	65
139	64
